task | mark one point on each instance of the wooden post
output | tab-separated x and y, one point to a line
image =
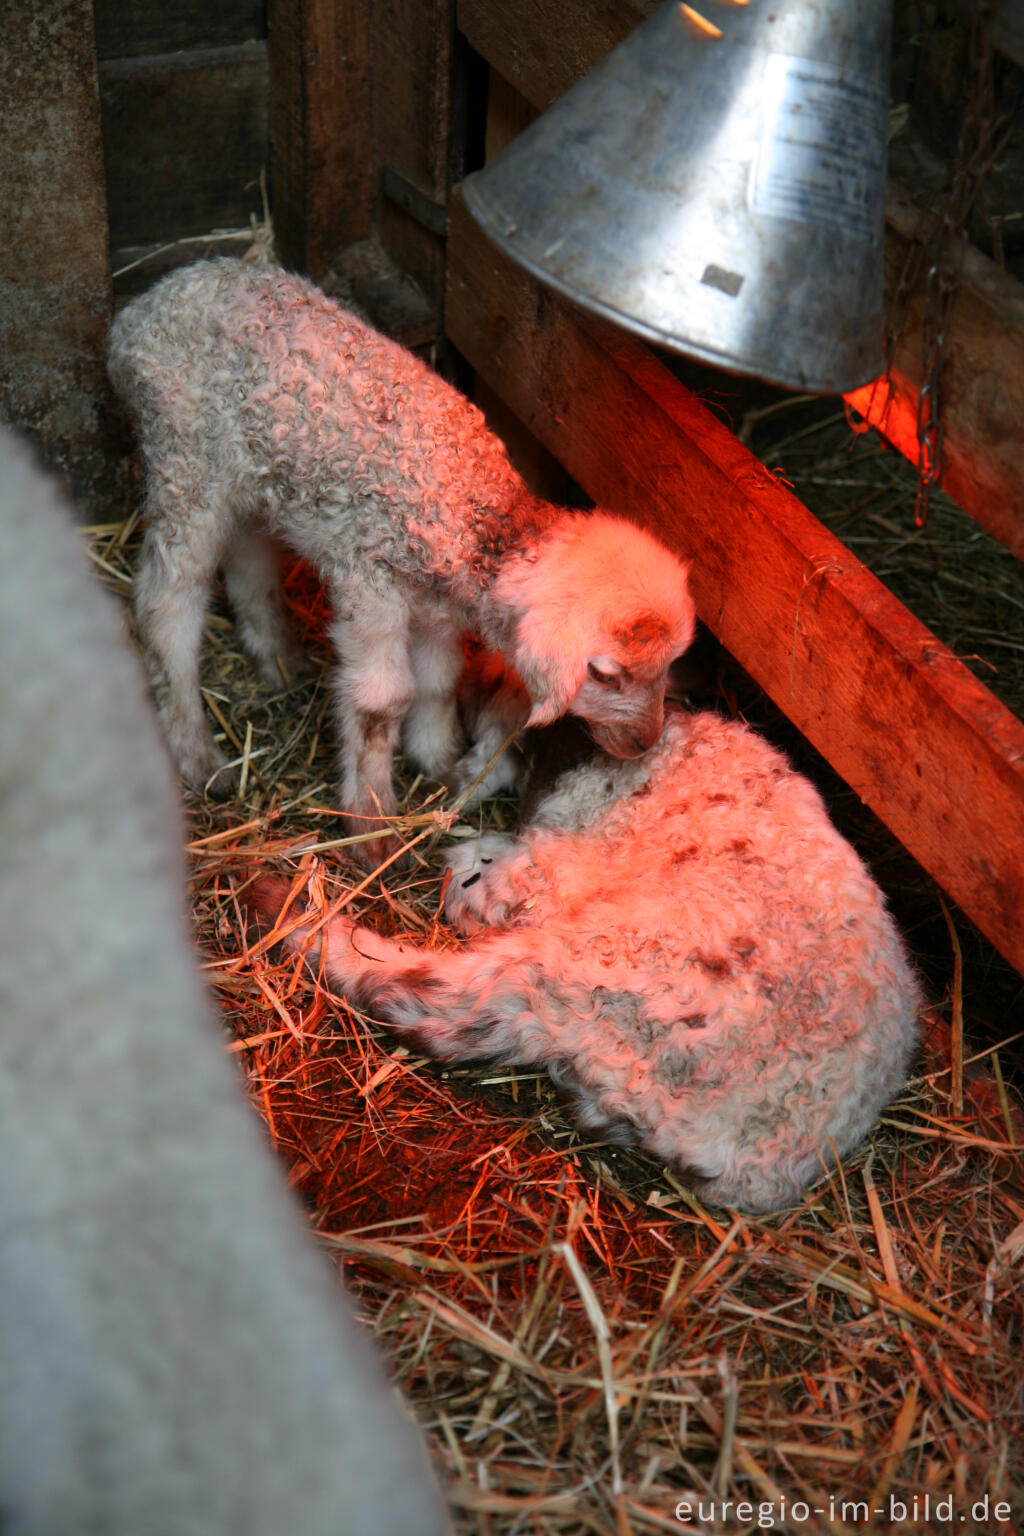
321	180
55	294
412	131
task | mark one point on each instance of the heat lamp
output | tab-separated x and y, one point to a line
717	185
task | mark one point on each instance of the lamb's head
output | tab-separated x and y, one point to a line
600	610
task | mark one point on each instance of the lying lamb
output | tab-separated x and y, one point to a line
261	408
687	945
175	1358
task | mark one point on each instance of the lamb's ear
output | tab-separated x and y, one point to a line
545	712
552	684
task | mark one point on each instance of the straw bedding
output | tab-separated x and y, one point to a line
588	1348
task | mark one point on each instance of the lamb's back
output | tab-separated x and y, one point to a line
262	374
711	879
753	1006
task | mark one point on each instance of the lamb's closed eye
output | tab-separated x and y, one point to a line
607	672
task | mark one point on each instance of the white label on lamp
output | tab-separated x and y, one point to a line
821	154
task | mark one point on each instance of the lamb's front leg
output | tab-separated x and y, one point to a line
180	553
431	736
373	689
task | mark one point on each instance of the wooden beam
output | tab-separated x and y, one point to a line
933	753
185	139
320	128
542	47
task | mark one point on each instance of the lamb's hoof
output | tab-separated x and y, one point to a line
374	851
264	903
221	785
503	775
208	773
471	901
286	669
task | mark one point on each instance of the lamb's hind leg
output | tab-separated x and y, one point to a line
252	578
495	999
487	882
179	559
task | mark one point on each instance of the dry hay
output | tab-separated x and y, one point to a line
956	578
586	1345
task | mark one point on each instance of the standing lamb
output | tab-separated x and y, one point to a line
175	1357
687	945
263	408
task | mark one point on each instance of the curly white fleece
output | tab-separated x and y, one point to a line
262	407
689	947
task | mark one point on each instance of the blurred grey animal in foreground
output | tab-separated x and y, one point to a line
175	1357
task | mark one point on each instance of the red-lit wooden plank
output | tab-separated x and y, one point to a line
934	754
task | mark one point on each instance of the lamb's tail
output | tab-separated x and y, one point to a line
488	999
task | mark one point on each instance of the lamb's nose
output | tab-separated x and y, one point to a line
648	736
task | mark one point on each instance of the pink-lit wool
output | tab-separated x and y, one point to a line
263	408
687	945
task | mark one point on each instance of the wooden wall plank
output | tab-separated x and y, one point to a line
412	130
321	128
163	26
55	295
981	384
933	753
185	138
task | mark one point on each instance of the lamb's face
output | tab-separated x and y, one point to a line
623	707
601	612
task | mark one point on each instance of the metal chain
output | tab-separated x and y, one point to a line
983	135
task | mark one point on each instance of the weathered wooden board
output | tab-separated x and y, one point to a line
54	270
934	754
164	26
321	128
542	47
412	61
185	137
981	384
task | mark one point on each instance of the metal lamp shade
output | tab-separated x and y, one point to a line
722	195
